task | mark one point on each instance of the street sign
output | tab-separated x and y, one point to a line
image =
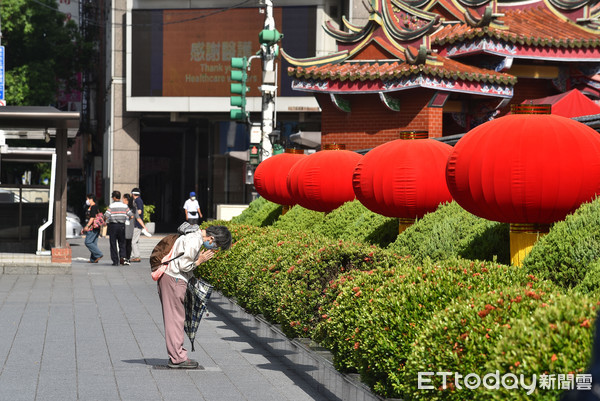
3	103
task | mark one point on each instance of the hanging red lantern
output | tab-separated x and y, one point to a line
270	177
405	178
323	181
525	169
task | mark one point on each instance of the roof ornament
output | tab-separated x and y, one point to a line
419	58
571	4
485	20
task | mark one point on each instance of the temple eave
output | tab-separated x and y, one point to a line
471	85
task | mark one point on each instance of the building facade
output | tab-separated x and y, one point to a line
166	125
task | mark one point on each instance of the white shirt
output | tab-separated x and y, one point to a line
192	207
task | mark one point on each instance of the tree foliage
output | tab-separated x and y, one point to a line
42	52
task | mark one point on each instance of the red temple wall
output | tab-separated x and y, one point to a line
370	123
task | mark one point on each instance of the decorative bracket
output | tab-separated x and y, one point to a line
340	103
390	102
419	58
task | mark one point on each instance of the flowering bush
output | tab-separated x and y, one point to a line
389	316
463	337
395	305
284	275
555	340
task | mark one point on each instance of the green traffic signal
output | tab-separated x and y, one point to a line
239	62
237	115
237	101
269	36
239	74
239	89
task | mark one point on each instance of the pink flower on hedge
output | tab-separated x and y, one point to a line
356	345
585	323
553	358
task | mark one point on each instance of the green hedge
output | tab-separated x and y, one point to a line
565	254
452	232
283	275
259	213
423	303
396	306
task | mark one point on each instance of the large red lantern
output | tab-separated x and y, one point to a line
405	178
270	177
323	181
525	168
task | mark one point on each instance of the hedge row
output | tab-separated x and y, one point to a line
566	254
448	232
388	318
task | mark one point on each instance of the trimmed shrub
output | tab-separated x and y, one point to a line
354	222
565	254
283	275
452	232
554	340
462	338
260	213
299	219
375	316
591	282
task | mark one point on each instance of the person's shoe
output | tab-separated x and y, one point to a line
187	364
135	260
97	259
146	233
126	262
122	261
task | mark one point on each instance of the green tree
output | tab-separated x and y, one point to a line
42	51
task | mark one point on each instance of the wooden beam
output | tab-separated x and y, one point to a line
533	71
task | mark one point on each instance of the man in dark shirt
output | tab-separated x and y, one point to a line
116	215
92	230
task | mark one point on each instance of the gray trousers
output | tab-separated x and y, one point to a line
135	247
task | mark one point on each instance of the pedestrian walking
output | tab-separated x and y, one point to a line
192	250
192	209
115	216
92	228
128	200
138	225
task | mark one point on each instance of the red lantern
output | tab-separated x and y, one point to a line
525	168
323	181
270	177
403	178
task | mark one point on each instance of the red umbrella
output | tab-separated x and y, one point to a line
323	181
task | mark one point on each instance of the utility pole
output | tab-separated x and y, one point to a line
261	134
269	50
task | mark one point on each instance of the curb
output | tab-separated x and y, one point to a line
312	362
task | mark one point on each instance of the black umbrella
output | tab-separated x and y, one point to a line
196	297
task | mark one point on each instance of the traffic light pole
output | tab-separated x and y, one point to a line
269	51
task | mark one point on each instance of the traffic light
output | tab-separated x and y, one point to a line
269	36
239	74
254	154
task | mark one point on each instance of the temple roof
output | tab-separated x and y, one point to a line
532	26
390	48
387	70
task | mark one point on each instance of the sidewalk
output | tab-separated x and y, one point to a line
97	334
